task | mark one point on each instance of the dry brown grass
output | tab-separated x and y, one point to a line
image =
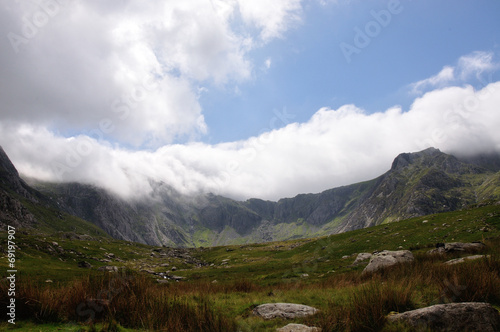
131	300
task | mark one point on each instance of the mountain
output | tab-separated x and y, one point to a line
417	184
23	206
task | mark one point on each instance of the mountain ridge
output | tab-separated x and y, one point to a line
418	183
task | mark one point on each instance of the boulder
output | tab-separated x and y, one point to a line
363	256
283	310
442	248
463	259
298	328
387	258
470	316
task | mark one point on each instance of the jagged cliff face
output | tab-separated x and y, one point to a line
417	184
12	210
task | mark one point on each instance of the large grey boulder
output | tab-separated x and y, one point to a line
298	328
283	310
469	316
387	258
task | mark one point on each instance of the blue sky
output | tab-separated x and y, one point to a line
309	71
243	98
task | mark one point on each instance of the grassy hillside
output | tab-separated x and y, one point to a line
223	284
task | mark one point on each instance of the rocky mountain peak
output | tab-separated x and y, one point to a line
405	159
6	166
9	177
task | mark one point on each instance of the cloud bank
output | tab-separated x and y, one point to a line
99	93
334	148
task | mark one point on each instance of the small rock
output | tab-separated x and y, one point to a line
49	281
304	275
298	328
164	265
85	265
425	221
362	256
463	259
173	268
283	310
55	244
108	268
162	281
177	278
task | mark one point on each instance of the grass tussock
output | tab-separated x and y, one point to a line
133	301
366	309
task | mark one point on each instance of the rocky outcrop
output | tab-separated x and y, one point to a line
283	310
386	259
9	177
470	316
108	268
443	248
298	328
13	212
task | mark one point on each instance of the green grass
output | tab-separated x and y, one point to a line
243	276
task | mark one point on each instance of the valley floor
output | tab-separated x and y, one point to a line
69	282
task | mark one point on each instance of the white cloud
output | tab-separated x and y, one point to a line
333	148
131	73
268	63
272	18
134	66
469	69
475	64
445	76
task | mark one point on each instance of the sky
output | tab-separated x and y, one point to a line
243	98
